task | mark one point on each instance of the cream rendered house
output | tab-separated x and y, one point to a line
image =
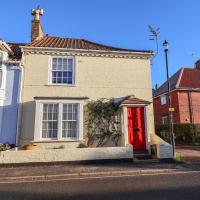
60	75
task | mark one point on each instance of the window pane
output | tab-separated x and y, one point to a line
50	121
59	66
69	124
69	80
70	64
75	111
69	129
69	74
64	64
54	63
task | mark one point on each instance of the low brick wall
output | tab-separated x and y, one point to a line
59	155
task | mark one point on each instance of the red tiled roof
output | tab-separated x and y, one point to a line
185	78
133	100
15	47
190	78
73	43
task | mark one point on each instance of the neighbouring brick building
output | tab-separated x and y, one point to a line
185	95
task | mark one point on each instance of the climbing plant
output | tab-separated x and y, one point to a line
102	122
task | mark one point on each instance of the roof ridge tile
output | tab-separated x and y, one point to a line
76	43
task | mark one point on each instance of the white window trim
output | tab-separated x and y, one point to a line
38	120
50	72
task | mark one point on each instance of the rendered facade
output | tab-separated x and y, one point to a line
59	76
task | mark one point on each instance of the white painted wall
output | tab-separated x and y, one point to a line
73	154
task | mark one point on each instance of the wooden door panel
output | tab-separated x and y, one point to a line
136	127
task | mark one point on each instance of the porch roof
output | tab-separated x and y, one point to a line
134	100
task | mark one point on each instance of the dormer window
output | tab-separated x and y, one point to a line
62	71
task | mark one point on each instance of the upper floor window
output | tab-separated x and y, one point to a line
163	99
62	70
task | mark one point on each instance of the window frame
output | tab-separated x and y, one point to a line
50	71
48	120
163	118
39	117
163	100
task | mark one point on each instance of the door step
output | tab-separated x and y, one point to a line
142	154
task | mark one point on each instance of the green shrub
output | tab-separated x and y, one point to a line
184	133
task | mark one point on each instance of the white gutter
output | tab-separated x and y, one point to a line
88	50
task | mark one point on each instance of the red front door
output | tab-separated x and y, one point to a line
136	128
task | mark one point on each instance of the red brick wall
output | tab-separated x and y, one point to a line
186	105
196	107
162	110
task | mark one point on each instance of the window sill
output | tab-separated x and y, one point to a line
64	85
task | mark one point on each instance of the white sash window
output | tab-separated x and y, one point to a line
59	120
62	71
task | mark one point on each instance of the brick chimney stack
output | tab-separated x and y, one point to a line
197	64
36	26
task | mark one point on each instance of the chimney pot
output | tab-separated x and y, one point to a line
36	28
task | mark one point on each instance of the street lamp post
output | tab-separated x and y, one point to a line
172	137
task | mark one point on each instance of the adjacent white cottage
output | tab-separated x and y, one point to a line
10	74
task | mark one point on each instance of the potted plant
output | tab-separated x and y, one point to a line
30	147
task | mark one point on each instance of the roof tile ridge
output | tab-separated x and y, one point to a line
66	38
180	77
188	67
112	47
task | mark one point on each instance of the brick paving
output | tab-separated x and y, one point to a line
191	154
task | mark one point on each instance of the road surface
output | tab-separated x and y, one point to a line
183	186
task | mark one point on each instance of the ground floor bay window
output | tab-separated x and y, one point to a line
58	120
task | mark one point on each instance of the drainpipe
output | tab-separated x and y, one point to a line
190	108
19	118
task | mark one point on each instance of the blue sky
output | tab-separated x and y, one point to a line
120	23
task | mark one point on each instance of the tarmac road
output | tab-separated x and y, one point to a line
183	186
